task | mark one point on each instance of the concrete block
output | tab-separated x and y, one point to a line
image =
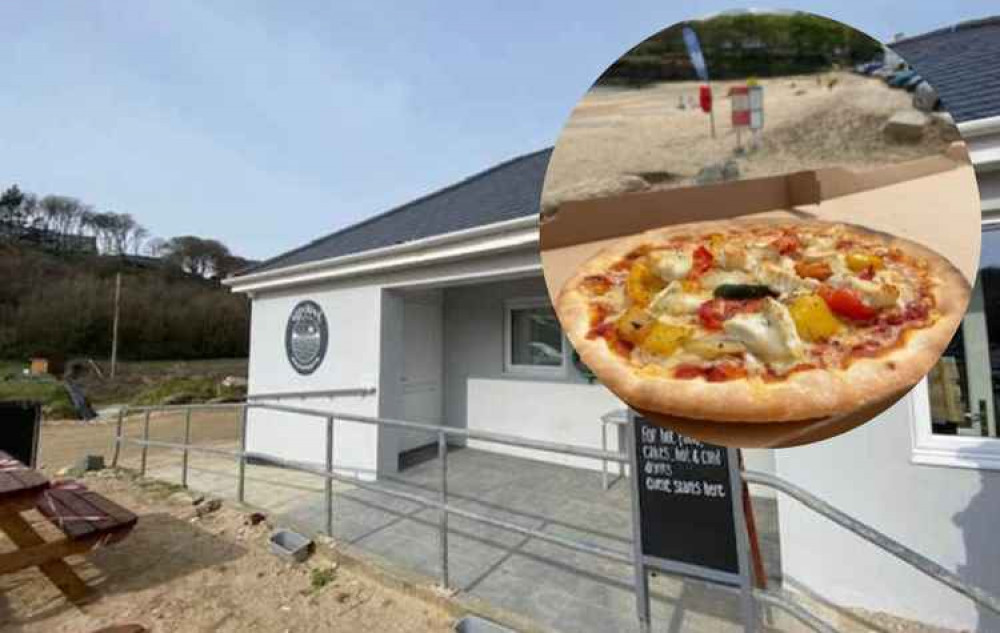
906	126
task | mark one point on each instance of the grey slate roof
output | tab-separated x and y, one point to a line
962	63
506	191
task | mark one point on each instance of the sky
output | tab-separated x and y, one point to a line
268	124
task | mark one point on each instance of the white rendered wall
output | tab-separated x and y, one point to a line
351	361
355	357
950	515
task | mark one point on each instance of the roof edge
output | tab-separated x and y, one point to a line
247	282
427	196
974	128
993	20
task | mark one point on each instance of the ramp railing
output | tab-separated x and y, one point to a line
446	509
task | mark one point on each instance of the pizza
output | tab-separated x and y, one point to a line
755	320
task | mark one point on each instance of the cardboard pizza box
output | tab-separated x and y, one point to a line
933	201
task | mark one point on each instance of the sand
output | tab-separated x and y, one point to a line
617	132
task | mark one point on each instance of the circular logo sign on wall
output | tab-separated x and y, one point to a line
306	337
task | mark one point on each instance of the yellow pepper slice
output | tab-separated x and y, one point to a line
634	324
642	283
813	319
663	339
863	261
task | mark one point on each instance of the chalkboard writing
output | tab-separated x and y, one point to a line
685	499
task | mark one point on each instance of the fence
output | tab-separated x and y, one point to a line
445	509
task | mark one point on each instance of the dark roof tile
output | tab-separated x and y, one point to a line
962	63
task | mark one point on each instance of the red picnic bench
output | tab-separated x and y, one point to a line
86	519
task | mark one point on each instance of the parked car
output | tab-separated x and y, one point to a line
867	68
911	84
897	80
925	97
884	72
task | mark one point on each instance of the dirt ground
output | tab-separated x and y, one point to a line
614	132
179	572
64	442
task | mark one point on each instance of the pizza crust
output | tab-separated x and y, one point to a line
803	395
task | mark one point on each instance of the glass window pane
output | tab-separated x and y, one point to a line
535	337
964	386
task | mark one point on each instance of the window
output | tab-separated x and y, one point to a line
958	426
533	339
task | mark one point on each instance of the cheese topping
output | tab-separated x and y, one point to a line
674	300
770	334
671	265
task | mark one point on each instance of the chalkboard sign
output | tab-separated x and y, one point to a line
685	499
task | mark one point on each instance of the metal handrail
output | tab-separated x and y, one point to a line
870	534
315	393
907	555
470	434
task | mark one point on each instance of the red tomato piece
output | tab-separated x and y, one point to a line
724	372
713	312
846	302
686	372
786	244
703	260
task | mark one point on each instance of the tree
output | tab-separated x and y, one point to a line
122	228
137	236
230	265
62	214
155	247
10	206
198	256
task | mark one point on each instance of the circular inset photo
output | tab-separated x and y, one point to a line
759	228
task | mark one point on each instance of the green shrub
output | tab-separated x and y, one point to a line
322	576
178	391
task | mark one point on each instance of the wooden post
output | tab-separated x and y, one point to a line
760	575
711	111
145	446
114	327
187	442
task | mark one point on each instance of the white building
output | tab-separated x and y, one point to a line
440	306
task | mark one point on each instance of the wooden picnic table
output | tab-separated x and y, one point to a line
87	520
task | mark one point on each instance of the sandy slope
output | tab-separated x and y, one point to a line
615	131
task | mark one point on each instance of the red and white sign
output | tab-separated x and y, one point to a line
747	104
739	101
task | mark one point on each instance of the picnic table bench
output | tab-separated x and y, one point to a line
86	519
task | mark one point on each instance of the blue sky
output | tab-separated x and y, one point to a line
268	124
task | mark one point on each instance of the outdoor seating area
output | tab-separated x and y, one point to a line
86	519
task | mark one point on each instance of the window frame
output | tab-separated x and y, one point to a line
539	371
954	451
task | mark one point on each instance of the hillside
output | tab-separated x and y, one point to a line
62	304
